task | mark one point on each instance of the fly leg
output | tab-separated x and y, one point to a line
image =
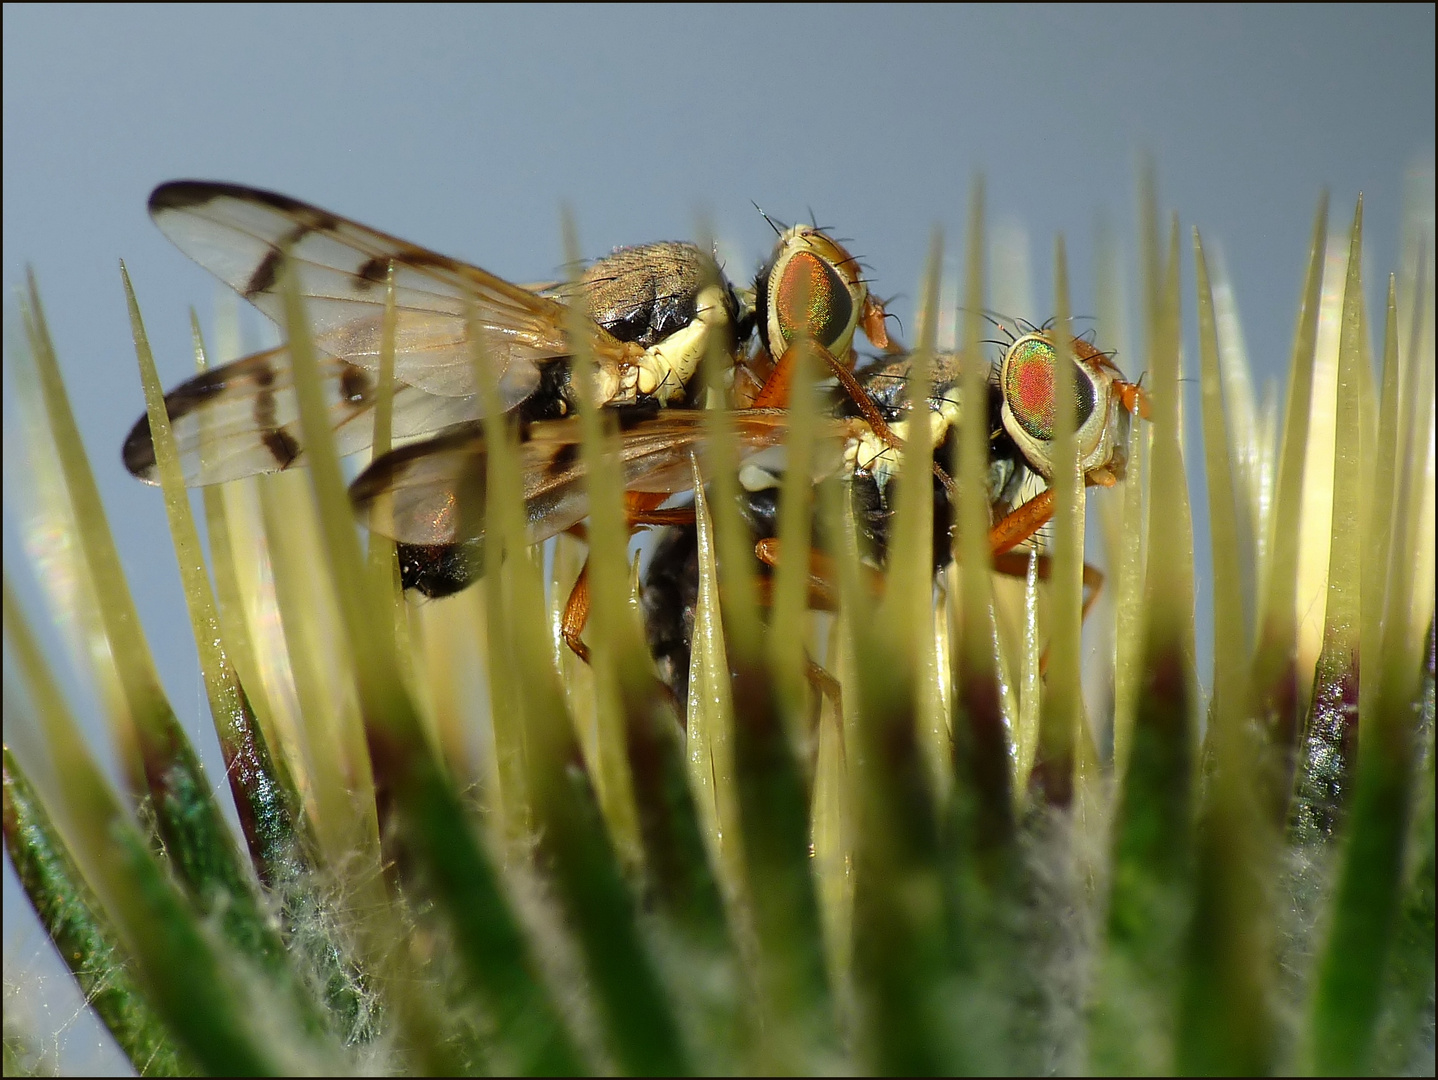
1022	522
1016	564
778	386
751	374
1019	525
823	596
823	574
576	614
640	508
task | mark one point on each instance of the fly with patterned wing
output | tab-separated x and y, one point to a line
653	306
810	289
655	310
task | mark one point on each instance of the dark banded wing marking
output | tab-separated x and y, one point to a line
240	234
243	418
430	484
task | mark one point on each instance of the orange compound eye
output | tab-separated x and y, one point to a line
812	297
1029	388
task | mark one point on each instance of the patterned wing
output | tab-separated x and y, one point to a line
436	488
242	418
240	234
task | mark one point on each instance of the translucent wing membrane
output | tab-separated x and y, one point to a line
243	418
240	419
432	492
240	235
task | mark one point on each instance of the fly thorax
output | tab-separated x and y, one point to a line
665	368
609	384
764	469
867	453
627	390
944	419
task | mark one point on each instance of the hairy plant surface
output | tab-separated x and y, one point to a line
462	850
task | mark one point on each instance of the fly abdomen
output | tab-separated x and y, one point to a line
439	570
668	597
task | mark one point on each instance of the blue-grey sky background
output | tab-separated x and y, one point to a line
465	129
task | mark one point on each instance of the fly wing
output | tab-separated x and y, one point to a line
421	493
244	236
243	418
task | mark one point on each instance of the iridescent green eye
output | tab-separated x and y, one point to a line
1029	388
810	295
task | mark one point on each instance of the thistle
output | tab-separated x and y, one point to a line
462	850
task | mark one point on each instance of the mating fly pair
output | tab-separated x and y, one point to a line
654	309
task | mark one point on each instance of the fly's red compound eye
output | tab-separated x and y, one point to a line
1029	388
811	296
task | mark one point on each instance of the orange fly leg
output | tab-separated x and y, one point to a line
822	597
872	416
1021	523
779	381
1016	564
823	573
778	386
875	419
823	594
1092	586
576	614
640	508
1012	530
867	409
